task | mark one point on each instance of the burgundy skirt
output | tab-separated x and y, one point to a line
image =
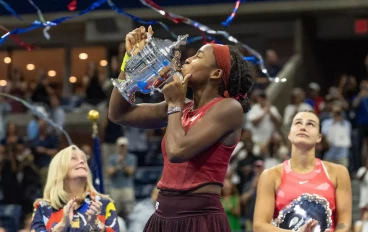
188	213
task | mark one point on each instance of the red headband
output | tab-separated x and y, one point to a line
223	60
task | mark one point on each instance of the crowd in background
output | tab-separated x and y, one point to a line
25	155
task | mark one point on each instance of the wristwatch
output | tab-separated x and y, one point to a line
173	110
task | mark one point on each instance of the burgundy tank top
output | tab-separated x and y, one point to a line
209	167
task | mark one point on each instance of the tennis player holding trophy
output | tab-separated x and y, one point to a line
304	194
200	137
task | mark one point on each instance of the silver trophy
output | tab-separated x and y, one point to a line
151	67
303	209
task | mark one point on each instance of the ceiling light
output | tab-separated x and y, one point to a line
30	67
51	73
83	56
72	79
7	60
3	82
103	63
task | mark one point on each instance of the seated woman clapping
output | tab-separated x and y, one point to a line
70	202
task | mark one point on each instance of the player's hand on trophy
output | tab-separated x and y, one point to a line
309	226
136	39
175	91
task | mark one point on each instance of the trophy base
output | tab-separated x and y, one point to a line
121	87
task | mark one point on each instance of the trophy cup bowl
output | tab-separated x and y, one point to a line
150	68
305	208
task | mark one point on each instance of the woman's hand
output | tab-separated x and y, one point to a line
93	211
68	213
175	91
136	39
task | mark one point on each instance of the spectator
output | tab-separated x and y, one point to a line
231	203
348	87
4	111
142	211
12	137
112	132
314	99
297	104
57	114
360	103
9	190
70	202
337	98
263	118
32	126
17	87
93	83
362	225
138	143
41	90
272	63
363	178
275	151
121	171
337	132
245	165
248	198
44	148
28	178
325	113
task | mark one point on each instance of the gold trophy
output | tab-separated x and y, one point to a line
93	117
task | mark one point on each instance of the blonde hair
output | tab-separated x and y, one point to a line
54	193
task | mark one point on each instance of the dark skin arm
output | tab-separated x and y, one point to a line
146	116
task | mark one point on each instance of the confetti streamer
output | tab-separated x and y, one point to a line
232	16
39	114
38	24
180	19
42	19
251	59
10	9
139	20
72	6
18	41
198	38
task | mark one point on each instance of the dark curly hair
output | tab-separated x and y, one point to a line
241	78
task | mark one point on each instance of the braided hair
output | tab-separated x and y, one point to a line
241	79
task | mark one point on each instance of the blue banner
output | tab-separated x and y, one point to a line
96	166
